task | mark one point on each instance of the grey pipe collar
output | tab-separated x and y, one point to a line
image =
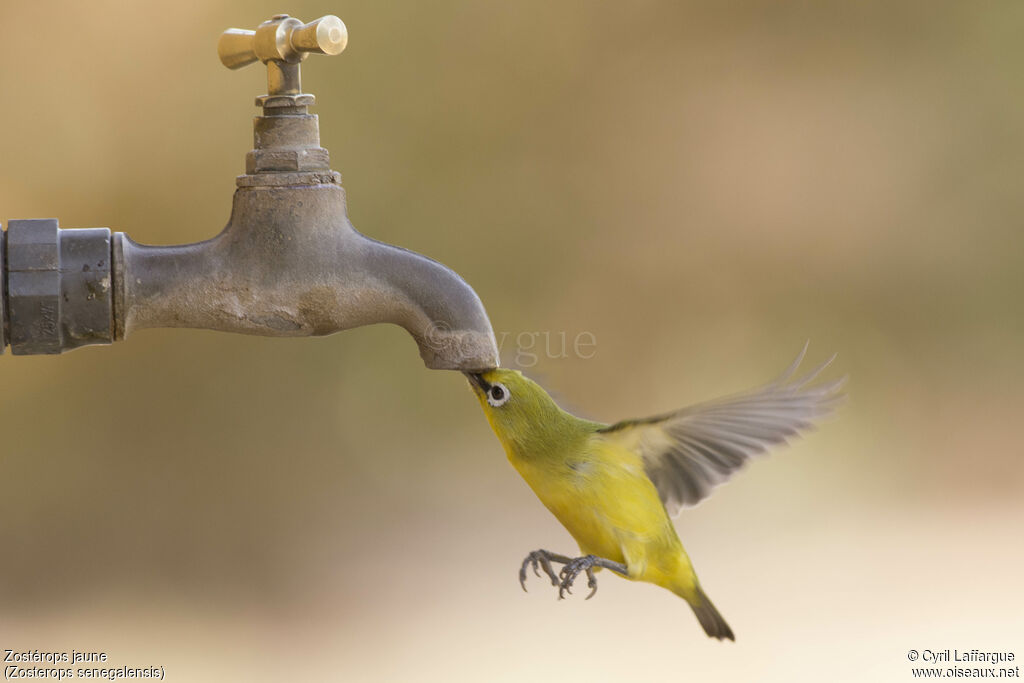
57	289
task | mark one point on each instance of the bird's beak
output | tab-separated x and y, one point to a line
478	382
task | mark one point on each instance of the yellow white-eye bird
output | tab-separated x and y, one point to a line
615	487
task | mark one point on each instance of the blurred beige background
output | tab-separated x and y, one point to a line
700	186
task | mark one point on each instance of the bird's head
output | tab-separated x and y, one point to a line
506	395
520	412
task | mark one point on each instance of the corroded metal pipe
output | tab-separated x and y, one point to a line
289	263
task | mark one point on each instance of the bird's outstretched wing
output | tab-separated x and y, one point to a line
689	452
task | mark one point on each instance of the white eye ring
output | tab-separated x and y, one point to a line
498	395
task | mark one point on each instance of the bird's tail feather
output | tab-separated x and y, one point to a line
709	617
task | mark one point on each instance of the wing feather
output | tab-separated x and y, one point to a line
687	453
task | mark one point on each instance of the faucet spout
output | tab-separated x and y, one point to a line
436	306
289	263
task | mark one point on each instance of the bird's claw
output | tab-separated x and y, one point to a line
538	559
572	569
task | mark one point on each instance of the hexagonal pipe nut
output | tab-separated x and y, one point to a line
33	286
3	293
59	289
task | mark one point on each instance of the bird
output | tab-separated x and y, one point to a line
615	488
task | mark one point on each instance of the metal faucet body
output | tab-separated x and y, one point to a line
288	263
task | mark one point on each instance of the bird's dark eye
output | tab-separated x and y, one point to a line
498	395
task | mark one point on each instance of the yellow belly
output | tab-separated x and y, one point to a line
605	500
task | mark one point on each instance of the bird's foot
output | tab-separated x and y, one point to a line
572	569
542	559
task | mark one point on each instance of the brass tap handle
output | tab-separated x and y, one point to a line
281	43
